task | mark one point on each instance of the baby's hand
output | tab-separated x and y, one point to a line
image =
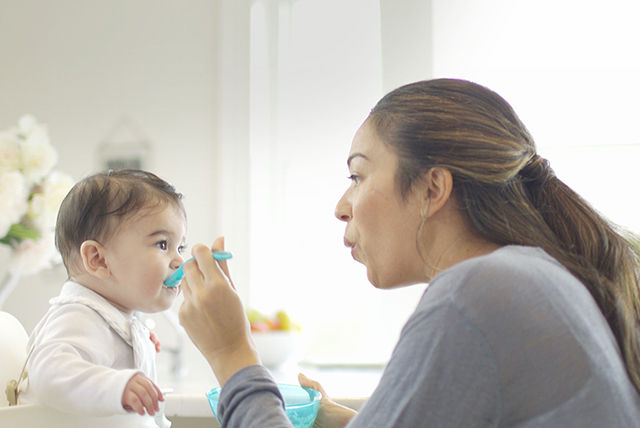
155	340
140	394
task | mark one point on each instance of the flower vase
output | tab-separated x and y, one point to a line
8	284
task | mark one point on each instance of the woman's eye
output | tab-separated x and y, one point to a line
162	245
354	178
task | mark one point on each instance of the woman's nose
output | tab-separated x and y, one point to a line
343	209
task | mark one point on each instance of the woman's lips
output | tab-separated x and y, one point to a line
351	245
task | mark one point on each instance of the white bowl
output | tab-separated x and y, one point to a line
277	347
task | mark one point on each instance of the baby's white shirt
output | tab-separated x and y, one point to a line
85	351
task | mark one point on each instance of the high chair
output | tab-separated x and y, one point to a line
12	358
13	352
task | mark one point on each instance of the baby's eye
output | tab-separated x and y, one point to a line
182	249
162	245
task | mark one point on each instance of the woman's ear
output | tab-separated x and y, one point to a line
439	186
93	259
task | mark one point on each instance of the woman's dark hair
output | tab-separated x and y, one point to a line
509	194
96	205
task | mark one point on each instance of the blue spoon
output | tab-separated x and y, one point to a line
176	277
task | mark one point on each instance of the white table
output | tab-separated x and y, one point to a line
187	405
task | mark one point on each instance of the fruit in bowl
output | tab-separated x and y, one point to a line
281	321
277	338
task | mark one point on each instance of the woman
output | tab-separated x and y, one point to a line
532	313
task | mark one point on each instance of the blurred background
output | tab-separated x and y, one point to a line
248	107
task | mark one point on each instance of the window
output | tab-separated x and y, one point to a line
570	71
316	73
568	68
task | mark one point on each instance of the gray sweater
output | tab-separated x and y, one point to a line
510	339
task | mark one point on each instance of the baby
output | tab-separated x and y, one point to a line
120	235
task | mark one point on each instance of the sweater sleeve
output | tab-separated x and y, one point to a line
441	374
251	398
69	368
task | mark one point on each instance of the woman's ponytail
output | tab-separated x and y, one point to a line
603	258
510	194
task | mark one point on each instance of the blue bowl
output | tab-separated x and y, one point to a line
300	403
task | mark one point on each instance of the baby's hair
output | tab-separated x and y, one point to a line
97	205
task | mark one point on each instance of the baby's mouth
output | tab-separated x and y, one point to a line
175	288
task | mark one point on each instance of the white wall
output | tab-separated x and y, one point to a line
406	35
179	71
83	66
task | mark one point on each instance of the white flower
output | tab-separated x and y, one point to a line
38	155
10	157
30	196
44	204
26	124
13	199
32	256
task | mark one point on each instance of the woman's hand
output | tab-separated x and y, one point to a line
213	315
330	413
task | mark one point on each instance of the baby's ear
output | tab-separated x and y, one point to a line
93	259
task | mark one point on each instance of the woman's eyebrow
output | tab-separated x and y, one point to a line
355	155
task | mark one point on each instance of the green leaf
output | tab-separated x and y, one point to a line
19	232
